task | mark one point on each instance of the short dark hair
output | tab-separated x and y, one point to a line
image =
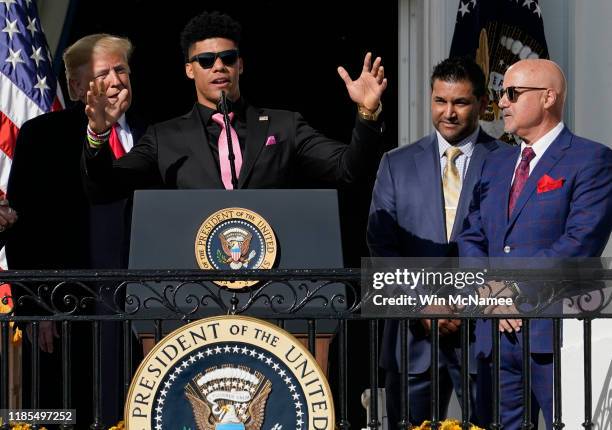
460	69
208	25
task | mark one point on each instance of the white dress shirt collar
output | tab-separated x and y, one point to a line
125	134
541	145
122	122
466	145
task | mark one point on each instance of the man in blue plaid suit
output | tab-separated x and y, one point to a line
551	197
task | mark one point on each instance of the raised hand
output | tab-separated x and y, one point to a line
366	90
102	113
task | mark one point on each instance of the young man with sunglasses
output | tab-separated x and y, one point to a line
272	148
550	197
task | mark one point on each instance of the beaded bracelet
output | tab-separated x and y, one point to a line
96	140
94	143
98	136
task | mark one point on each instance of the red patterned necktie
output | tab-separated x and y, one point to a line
115	142
226	173
520	177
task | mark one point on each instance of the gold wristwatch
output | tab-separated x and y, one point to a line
367	116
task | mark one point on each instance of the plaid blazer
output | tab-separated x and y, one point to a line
570	218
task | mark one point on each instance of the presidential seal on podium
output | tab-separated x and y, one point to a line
229	373
233	239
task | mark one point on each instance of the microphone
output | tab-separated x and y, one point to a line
224	106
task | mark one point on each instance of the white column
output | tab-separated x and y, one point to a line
52	15
425	34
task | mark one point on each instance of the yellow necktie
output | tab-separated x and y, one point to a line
451	183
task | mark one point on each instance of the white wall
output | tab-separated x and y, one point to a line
591	63
579	34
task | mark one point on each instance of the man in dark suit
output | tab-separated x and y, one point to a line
273	148
46	168
551	198
421	197
46	190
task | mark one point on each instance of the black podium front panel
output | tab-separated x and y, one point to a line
305	222
165	226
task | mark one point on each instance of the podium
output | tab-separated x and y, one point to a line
167	226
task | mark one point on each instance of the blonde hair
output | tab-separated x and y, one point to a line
79	53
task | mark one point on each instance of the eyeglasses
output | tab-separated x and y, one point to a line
513	94
207	59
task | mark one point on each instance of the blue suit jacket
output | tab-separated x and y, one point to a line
407	220
574	220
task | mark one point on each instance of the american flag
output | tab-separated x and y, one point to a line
28	87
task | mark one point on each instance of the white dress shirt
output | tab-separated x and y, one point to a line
462	161
125	134
539	147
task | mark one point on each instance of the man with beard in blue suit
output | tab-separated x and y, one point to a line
549	198
420	200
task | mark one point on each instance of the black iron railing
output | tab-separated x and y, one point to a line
313	296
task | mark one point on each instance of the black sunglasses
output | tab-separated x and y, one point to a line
207	59
513	94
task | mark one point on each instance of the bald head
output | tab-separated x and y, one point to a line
539	96
544	74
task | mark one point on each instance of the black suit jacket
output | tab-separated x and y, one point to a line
59	229
176	154
46	189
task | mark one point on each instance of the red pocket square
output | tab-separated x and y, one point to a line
271	140
546	183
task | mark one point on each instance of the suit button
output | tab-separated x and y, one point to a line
507	249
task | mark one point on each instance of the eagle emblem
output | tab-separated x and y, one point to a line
228	398
235	238
235	243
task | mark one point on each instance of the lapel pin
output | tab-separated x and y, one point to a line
263	117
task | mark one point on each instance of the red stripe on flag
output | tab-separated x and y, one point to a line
57	105
5	291
8	135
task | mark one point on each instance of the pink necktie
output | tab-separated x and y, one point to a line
226	173
115	143
520	177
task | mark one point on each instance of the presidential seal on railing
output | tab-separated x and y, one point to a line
235	238
229	373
